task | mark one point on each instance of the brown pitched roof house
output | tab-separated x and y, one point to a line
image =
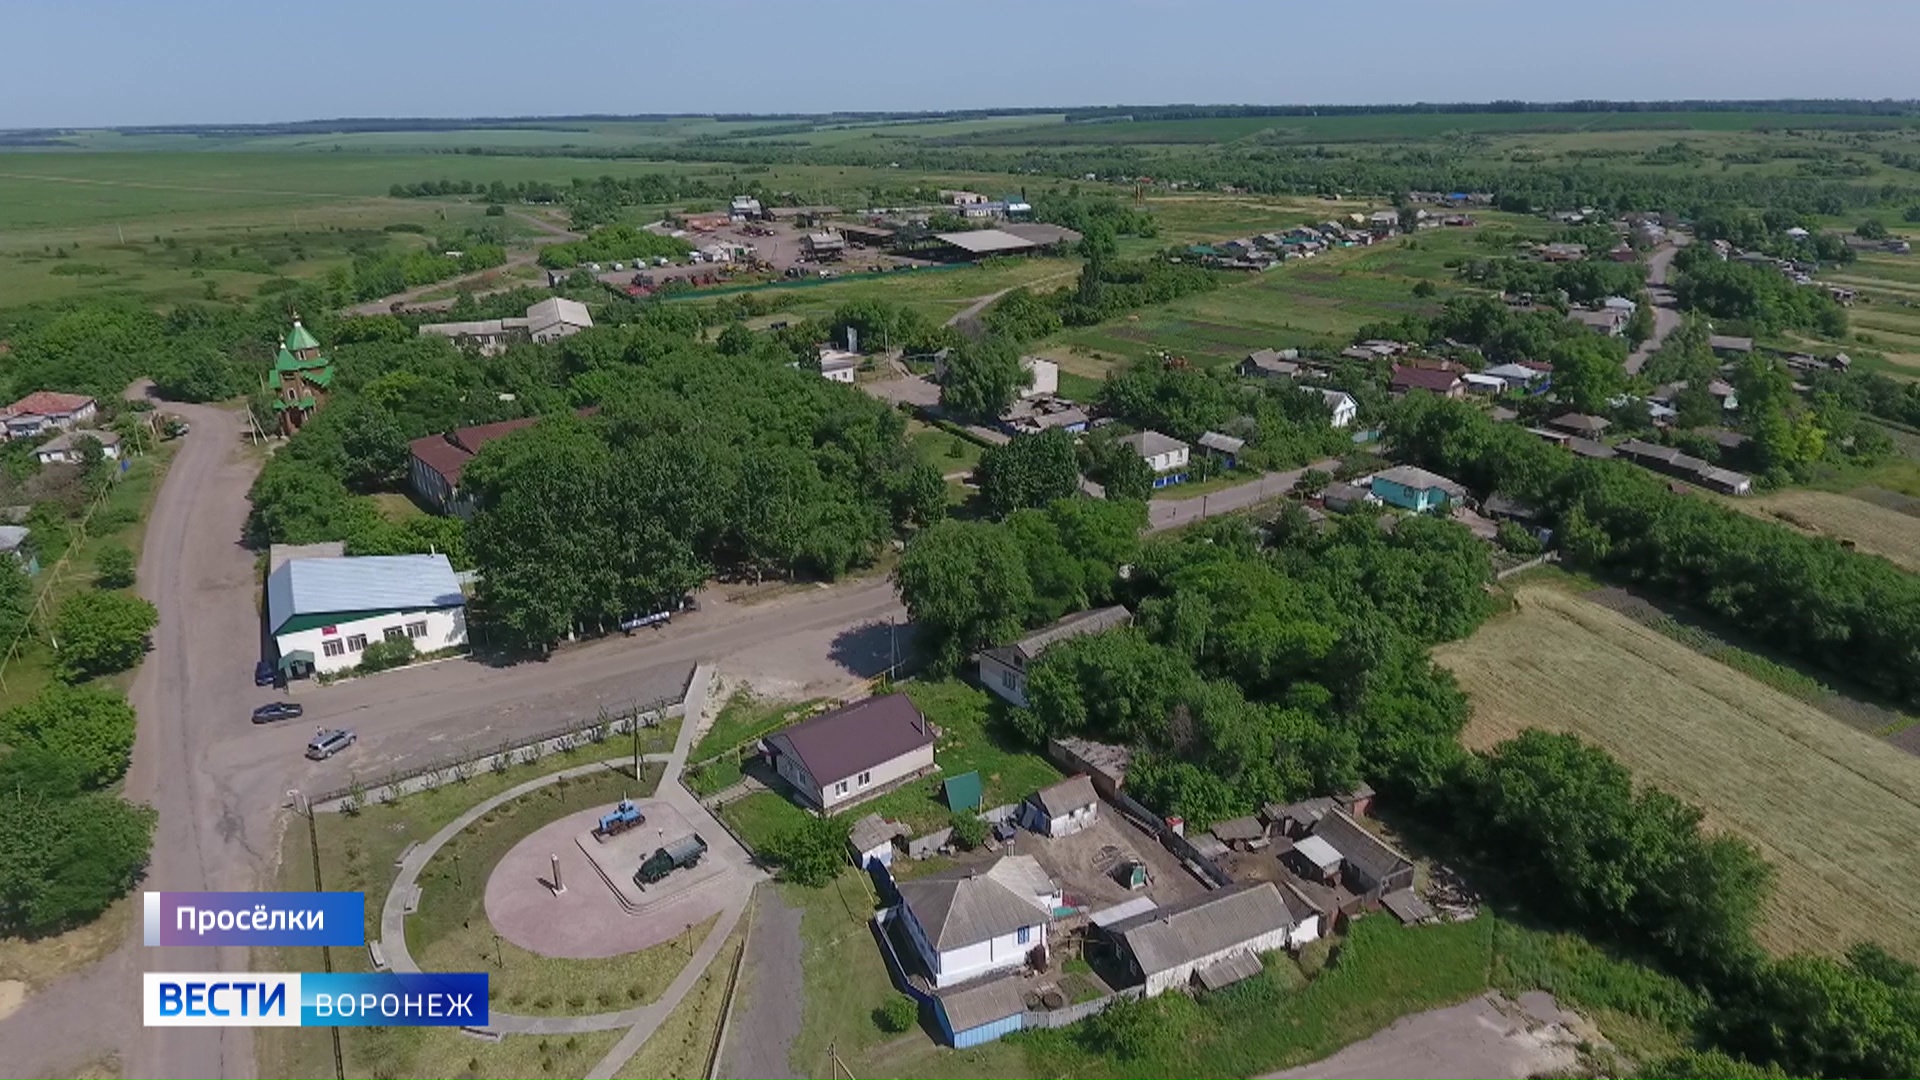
854	751
1431	380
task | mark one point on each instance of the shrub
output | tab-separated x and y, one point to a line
968	831
113	568
389	653
897	1015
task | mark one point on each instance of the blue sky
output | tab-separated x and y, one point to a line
112	62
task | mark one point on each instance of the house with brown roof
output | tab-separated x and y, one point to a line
1426	380
854	752
1591	427
435	462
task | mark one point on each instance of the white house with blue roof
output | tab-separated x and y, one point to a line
323	613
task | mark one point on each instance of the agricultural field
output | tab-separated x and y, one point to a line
1315	302
1832	809
1870	527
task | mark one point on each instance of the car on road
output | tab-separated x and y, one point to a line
278	710
329	741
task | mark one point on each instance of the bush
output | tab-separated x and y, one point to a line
897	1015
389	653
810	853
1314	956
968	831
100	633
113	568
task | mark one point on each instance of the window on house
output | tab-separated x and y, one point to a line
333	647
1006	679
1023	935
417	629
356	642
393	633
865	778
840	788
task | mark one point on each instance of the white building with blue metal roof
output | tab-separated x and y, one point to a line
323	613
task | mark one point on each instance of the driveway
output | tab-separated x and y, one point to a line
772	997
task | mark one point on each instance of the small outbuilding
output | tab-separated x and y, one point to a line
1063	809
1169	947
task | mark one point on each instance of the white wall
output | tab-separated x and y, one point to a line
1170	461
958	965
1307	929
1008	683
1046	376
840	375
877	777
1073	821
1177	977
446	628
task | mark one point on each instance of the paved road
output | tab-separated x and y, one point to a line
1172	513
1666	313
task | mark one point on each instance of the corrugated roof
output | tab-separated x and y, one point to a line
1228	970
963	907
1358	846
1317	851
1095	621
977	1004
1226	444
558	310
854	738
366	583
1063	798
1213	922
1438	380
1241	828
1412	476
1406	907
441	456
1122	911
1152	444
984	241
48	403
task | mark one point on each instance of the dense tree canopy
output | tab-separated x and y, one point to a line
1028	471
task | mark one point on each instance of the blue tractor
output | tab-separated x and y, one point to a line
624	817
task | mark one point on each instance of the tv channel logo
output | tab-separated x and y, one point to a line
339	999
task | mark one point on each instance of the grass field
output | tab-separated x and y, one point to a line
1870	528
1832	809
947	452
680	1047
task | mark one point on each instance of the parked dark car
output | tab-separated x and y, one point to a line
329	741
278	710
265	674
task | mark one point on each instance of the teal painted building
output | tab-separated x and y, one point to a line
1416	489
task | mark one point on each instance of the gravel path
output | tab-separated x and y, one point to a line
767	1016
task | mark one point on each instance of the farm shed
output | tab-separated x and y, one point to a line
1167	947
979	1013
1103	763
1370	866
1063	809
872	840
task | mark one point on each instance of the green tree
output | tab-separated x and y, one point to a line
99	633
113	567
62	861
965	586
1120	472
89	727
968	831
899	1014
1871	229
982	379
1028	471
811	853
1587	375
16	600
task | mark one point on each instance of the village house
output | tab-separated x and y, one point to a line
855	752
1729	347
1610	322
323	613
837	365
1580	424
1165	455
67	449
1003	670
965	923
1222	448
1271	364
1062	809
1370	867
1030	416
1341	497
1516	376
1214	939
1480	383
1443	381
1341	407
43	411
1412	488
435	462
549	320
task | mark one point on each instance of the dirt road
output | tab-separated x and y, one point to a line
1486	1037
1666	312
514	260
1172	513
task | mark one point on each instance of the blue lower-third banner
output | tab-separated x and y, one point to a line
258	999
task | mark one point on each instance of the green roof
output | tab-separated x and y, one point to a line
301	338
322	377
964	792
286	362
303	403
